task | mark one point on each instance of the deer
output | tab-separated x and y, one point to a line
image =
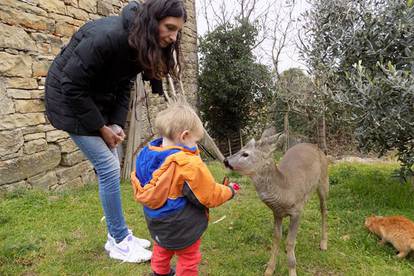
285	188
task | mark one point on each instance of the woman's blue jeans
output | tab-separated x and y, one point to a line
106	164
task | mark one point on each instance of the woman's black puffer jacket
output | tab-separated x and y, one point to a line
88	84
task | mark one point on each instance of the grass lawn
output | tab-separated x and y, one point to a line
62	234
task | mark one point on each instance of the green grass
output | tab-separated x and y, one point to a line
62	234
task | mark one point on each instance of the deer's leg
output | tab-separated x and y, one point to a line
291	242
382	241
277	236
323	194
403	254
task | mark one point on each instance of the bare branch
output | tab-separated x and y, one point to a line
241	3
250	10
217	17
258	43
279	44
223	11
205	8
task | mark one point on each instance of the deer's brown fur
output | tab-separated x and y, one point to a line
285	188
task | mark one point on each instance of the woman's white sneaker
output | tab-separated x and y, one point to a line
128	251
141	242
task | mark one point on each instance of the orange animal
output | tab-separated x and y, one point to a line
397	230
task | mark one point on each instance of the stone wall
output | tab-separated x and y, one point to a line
32	153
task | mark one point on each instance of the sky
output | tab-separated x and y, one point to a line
290	56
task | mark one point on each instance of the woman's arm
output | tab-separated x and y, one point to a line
80	70
120	113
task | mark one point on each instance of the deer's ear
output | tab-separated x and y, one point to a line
280	139
269	144
251	144
270	131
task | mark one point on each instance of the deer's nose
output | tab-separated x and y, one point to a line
227	164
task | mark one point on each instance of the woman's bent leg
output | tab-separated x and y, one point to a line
106	164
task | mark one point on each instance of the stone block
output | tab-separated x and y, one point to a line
46	38
67	145
89	178
88	5
13	16
77	13
43	48
6	104
11	51
21	83
43	181
56	6
15	65
29	7
93	16
30	165
65	29
40	68
72	158
61	18
66	174
118	4
37	94
13	121
55	134
15	38
21	185
28	106
34	146
74	183
20	94
34	136
55	48
13	155
105	7
10	142
78	23
36	129
73	3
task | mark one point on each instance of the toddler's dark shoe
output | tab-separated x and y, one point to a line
172	273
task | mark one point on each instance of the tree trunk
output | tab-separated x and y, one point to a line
322	134
286	129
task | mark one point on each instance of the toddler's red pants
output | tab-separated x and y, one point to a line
187	263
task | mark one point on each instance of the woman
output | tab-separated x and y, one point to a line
88	90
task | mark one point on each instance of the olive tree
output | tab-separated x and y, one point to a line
362	52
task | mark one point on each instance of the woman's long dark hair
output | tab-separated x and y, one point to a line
144	37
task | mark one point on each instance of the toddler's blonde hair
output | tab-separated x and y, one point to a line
177	118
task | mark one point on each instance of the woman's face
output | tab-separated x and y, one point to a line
168	30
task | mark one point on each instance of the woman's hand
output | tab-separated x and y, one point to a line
111	138
118	131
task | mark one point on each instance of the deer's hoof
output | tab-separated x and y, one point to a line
324	245
269	272
292	272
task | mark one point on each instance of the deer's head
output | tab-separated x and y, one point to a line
254	154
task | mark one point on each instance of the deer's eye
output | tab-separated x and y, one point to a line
244	154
